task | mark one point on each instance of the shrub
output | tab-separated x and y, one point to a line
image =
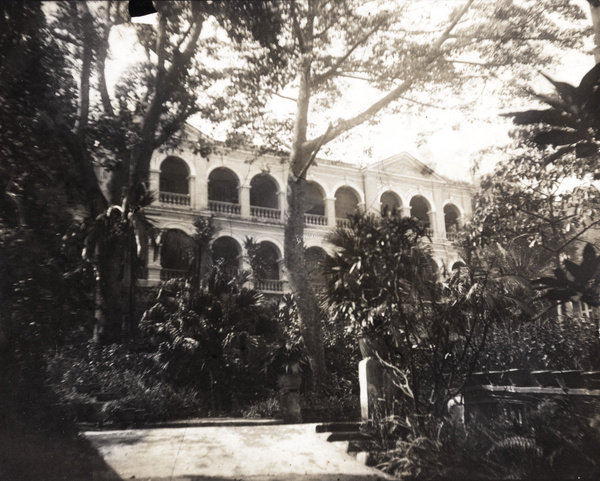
128	377
266	408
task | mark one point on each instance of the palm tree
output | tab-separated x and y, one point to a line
116	244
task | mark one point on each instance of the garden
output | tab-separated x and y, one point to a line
85	344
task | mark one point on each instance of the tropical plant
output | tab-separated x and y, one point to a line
380	277
214	337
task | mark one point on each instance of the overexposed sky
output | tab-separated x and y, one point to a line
447	140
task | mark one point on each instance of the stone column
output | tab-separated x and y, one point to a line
282	205
330	211
154	266
406	211
192	190
432	223
244	192
154	184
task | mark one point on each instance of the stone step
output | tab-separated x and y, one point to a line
335	427
350	436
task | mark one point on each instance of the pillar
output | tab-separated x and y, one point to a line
282	205
154	267
330	211
406	211
244	191
432	223
154	184
192	191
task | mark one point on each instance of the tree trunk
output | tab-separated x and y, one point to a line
306	300
109	292
595	11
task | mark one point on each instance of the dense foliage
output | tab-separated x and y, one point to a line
381	280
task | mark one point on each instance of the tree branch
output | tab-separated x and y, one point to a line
319	79
83	105
345	125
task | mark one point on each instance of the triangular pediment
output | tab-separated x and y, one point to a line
405	164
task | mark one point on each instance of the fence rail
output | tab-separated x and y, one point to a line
268	285
224	207
315	219
265	213
166	274
175	199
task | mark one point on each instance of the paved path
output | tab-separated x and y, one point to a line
219	453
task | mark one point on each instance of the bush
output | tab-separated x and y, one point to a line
128	378
267	408
556	441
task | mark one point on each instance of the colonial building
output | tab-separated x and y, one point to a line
245	193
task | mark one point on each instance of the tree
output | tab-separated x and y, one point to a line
380	279
526	198
331	44
118	133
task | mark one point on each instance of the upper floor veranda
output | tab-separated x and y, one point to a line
240	185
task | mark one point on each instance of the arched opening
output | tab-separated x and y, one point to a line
346	203
223	191
225	255
173	183
264	198
419	208
390	203
314	204
266	270
176	253
451	220
314	263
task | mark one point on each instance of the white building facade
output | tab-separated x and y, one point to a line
245	193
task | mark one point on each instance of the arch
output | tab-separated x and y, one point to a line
176	251
158	159
451	218
390	203
458	265
270	256
420	208
347	200
314	198
314	263
264	192
174	176
226	253
223	185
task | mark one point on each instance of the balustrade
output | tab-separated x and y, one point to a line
265	213
344	223
268	285
174	199
314	219
166	274
224	207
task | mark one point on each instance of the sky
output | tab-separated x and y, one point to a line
447	140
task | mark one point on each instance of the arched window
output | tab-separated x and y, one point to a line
346	203
419	208
264	199
263	192
451	220
176	254
390	203
223	186
225	253
314	203
313	199
174	175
